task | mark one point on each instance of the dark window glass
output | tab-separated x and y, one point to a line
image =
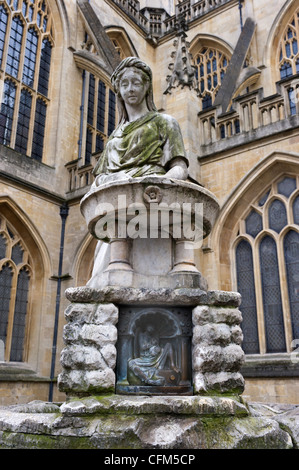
291	251
237	126
111	114
292	100
286	186
3	26
44	69
5	292
23	122
2	247
30	57
7	111
90	108
101	106
277	215
254	224
245	280
296	210
15	46
19	323
88	148
39	129
207	102
99	143
17	254
275	336
286	70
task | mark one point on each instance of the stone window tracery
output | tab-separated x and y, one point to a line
266	251
15	277
211	65
289	48
100	114
26	43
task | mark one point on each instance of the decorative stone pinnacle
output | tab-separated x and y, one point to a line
183	72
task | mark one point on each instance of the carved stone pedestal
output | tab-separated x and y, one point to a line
196	350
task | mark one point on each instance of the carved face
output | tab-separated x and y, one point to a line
133	87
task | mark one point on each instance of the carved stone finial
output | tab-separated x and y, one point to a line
183	72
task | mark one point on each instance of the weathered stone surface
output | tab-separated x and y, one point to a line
224	382
230	316
118	422
165	296
89	357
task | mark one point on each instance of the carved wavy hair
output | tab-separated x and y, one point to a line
146	74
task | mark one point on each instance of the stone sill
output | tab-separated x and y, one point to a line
19	372
271	365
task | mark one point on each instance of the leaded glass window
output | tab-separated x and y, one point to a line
275	335
15	275
288	48
267	268
211	65
291	250
247	290
100	115
26	63
7	111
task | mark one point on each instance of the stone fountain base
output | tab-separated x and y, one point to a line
118	422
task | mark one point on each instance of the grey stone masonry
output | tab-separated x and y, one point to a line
216	350
90	335
89	357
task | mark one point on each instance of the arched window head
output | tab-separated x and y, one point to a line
15	284
211	65
288	62
26	43
267	263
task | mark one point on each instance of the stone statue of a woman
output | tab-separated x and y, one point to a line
145	142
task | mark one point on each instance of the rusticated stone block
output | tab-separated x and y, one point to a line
89	357
217	355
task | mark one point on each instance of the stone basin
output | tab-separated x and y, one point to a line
119	199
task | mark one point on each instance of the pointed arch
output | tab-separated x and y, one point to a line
24	267
268	191
271	51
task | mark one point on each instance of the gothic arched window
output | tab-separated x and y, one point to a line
267	268
211	65
289	48
26	42
100	114
15	275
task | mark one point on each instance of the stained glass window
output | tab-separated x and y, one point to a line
288	48
3	27
254	223
291	250
23	122
15	47
211	67
277	215
275	335
39	129
6	274
28	59
14	293
266	278
7	111
44	69
286	186
111	115
101	115
245	281
18	332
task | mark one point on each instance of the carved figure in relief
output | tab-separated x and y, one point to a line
152	359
